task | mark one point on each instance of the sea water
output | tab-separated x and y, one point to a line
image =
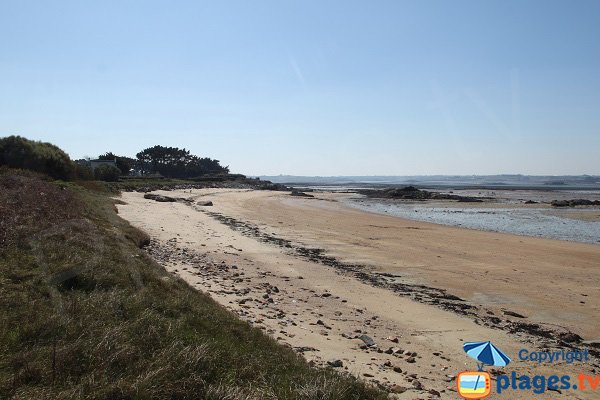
520	221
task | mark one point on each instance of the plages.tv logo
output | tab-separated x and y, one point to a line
478	384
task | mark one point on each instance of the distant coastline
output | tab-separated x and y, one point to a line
491	182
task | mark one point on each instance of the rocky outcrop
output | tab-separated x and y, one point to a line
412	193
160	198
574	203
167	199
298	193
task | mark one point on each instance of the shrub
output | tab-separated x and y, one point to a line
82	172
19	152
107	173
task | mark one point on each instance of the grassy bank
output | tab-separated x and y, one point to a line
84	313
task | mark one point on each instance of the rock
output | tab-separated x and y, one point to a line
393	339
434	392
205	203
393	350
397	369
367	340
398	389
410	360
570	337
417	385
323	324
412	193
303	349
513	314
574	203
160	198
296	192
335	363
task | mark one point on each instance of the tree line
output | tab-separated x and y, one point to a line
170	162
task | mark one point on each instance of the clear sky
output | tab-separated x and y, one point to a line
311	87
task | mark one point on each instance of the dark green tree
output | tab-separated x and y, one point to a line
173	162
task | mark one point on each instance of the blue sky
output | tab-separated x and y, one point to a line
311	87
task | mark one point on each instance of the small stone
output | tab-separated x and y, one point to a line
335	363
367	340
417	385
398	389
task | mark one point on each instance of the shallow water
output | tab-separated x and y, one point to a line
520	221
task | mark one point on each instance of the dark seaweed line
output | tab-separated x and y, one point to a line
421	293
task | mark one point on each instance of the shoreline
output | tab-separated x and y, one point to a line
252	253
579	225
438	297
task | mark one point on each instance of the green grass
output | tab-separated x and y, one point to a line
85	314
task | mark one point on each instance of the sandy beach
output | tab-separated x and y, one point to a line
319	275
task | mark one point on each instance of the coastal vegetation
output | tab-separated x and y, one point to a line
86	313
173	162
46	158
157	161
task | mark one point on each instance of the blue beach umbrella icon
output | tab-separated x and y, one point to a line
486	353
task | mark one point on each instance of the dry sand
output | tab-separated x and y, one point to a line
262	271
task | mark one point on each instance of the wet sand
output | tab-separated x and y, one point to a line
431	287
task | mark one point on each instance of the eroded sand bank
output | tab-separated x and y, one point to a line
252	252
